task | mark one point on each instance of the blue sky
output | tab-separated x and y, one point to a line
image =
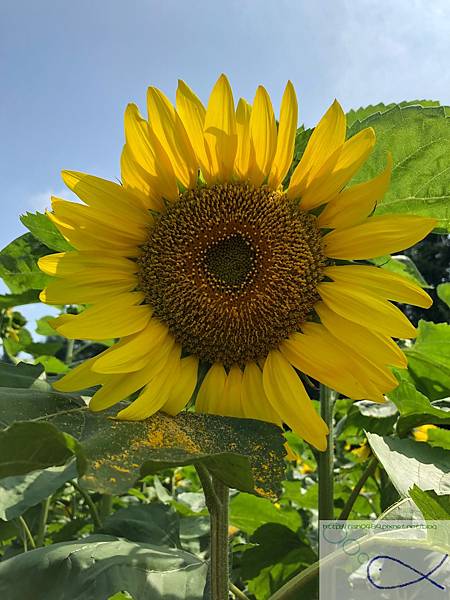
68	69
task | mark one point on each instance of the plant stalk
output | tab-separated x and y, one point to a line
217	502
326	458
27	535
90	503
42	526
369	470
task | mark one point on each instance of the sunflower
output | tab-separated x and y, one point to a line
203	261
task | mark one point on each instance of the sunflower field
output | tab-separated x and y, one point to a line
248	334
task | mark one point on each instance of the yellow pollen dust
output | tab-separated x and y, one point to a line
232	270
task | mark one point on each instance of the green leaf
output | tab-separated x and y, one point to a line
99	566
439	438
415	409
23	376
432	506
52	364
155	523
248	512
14	346
43	326
362	113
19	493
279	554
443	291
25	447
429	360
26	297
402	265
120	452
45	231
410	463
419	139
18	264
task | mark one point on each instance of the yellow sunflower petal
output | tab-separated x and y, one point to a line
86	239
141	184
156	392
119	387
183	387
355	204
230	405
288	397
263	136
79	292
363	340
192	114
79	378
171	134
353	154
211	391
104	225
243	152
317	354
381	283
377	236
255	404
286	137
116	317
220	131
154	342
363	307
107	196
148	152
324	143
66	264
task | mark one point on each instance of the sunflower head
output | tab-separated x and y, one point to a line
207	254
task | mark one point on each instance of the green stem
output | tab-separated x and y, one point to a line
40	537
326	458
105	506
370	470
217	499
90	503
69	352
27	534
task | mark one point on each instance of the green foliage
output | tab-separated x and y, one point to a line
419	140
18	267
410	463
100	566
429	360
45	231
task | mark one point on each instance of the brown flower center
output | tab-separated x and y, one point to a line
232	270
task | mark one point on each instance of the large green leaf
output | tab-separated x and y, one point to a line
155	523
366	111
429	360
97	567
419	140
278	555
18	264
410	463
27	446
45	231
432	506
21	492
245	454
23	376
415	409
248	512
402	265
439	438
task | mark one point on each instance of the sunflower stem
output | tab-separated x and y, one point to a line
326	459
217	499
